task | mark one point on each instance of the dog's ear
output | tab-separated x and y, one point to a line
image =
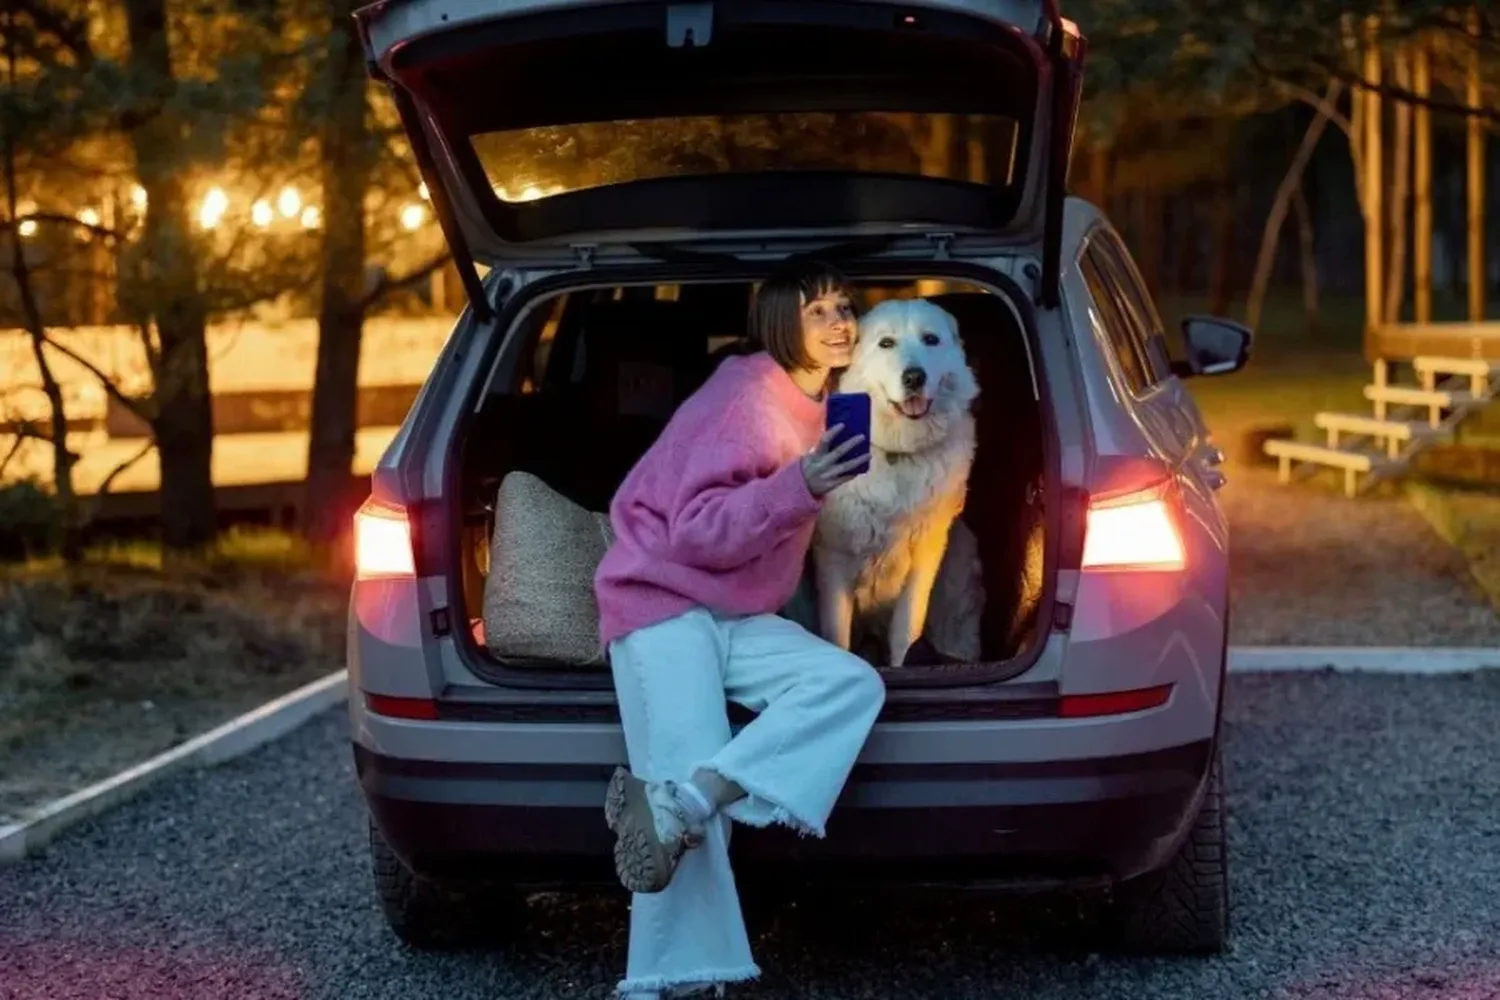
966	385
951	321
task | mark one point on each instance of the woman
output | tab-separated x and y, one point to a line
712	529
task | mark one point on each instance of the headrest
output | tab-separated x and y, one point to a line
648	330
639	356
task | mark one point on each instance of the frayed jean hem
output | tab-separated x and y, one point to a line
760	810
701	979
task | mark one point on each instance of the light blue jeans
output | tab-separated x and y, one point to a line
816	705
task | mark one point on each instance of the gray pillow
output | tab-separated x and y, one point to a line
539	594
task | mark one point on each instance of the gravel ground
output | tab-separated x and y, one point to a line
1365	820
1313	568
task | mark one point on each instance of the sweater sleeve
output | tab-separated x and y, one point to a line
734	504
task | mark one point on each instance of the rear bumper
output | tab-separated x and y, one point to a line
1000	825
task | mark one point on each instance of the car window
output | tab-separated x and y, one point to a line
1121	266
1118	324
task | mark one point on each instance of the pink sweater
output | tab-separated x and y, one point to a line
717	513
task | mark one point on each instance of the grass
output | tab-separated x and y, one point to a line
105	664
1292	373
241	549
1469	520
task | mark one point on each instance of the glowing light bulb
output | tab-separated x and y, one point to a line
311	217
289	202
261	213
423	193
215	204
412	217
89	217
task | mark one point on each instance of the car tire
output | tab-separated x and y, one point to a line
1184	907
432	915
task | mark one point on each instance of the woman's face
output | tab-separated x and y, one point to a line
828	330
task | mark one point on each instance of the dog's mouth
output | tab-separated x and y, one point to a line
913	407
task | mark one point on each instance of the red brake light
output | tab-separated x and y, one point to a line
382	542
1085	706
1133	531
424	709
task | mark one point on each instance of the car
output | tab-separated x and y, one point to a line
612	178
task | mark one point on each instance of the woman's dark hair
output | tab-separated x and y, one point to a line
775	324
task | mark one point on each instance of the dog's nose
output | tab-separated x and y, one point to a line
913	379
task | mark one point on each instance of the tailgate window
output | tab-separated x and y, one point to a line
527	164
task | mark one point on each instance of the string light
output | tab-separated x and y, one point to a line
138	196
289	202
261	213
215	204
423	193
89	216
311	217
412	217
27	228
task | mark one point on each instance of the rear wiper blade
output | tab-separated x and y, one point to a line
849	250
673	253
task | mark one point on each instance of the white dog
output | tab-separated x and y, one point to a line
882	538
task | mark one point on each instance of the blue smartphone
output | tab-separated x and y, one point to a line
852	409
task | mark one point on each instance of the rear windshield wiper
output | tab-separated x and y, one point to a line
673	253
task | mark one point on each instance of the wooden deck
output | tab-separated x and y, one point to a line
1406	341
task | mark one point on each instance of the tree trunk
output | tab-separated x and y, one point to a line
1221	258
71	542
1395	285
1477	138
1184	242
183	424
1308	246
1146	220
346	167
1271	235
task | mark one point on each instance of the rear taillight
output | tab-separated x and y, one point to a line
422	709
382	542
1134	531
1087	706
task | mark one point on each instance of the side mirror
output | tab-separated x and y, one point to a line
1215	346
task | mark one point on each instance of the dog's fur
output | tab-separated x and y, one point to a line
881	538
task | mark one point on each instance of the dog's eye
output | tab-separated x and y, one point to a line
887	342
931	339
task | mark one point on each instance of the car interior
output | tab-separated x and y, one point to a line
604	369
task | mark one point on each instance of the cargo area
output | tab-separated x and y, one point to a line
587	379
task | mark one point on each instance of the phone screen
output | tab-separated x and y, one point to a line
852	409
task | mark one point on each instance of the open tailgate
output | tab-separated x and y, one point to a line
556	131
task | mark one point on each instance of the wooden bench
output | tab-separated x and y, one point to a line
1352	462
1481	372
1436	400
1394	433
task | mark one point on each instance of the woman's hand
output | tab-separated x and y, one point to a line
826	468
